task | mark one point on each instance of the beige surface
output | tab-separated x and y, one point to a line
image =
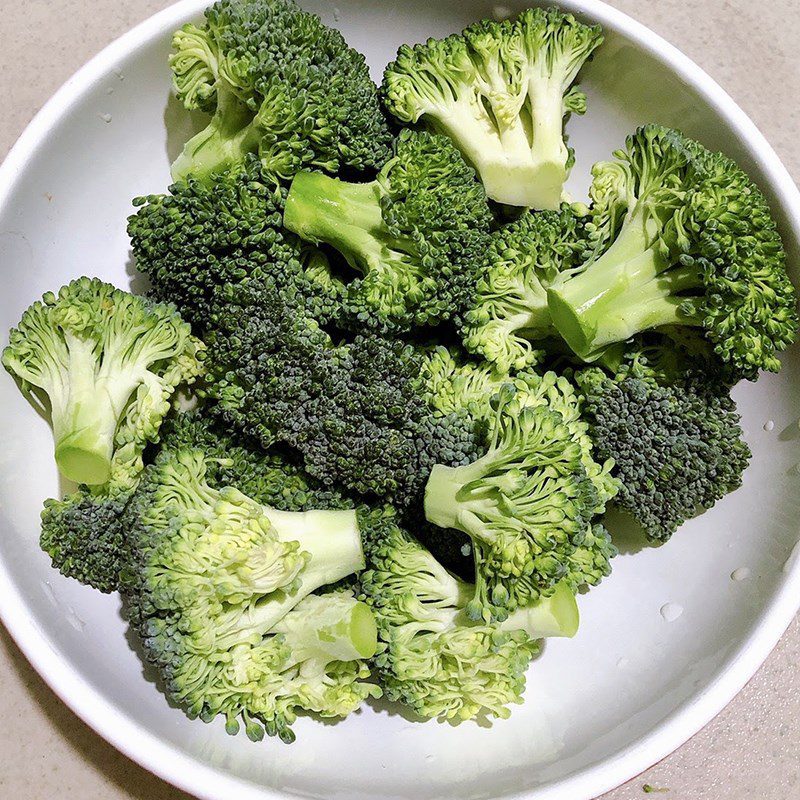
752	750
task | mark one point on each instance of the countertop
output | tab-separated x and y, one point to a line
749	752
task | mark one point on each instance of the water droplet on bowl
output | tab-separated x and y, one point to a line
337	14
501	12
769	425
740	574
466	549
119	74
671	611
622	663
75	620
48	590
105	117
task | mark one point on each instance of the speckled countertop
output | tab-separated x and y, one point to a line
752	750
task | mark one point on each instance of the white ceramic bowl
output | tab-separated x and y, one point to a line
626	691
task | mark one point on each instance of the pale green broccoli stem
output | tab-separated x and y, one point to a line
331	627
629	289
552	616
85	415
346	216
226	140
332	541
449	489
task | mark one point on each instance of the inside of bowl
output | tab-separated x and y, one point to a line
628	669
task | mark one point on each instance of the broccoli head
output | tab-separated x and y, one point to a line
508	313
501	91
433	657
528	505
280	84
225	231
677	447
417	234
107	363
682	238
219	588
354	411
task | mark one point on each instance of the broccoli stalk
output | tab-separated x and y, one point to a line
689	241
501	91
417	233
108	363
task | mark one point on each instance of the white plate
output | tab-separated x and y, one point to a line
629	689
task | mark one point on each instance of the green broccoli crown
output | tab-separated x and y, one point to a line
217	586
204	235
279	84
508	311
677	448
526	504
417	234
108	363
501	91
683	238
353	411
84	535
432	657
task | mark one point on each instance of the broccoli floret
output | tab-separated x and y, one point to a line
354	411
433	657
683	238
677	447
219	588
501	90
528	504
280	84
204	235
454	385
107	363
508	311
417	234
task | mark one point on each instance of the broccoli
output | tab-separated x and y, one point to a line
528	505
107	363
501	90
433	657
676	445
205	235
509	310
417	233
355	411
219	588
280	84
683	238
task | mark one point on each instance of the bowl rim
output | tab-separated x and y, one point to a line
209	783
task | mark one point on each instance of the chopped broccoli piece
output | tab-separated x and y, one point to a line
501	90
280	84
218	587
354	411
683	238
433	657
206	235
417	233
677	447
528	505
107	363
508	311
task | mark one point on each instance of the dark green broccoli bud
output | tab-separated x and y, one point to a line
527	505
354	411
508	314
107	363
84	535
433	657
204	235
219	587
280	84
417	234
677	448
501	91
684	238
